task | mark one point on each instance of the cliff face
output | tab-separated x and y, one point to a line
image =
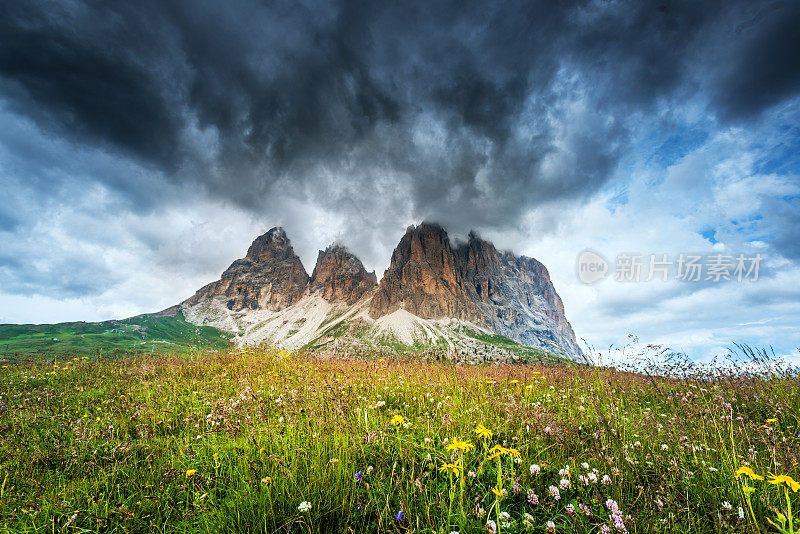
339	275
510	295
270	277
423	278
428	278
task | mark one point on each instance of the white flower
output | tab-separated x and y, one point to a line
305	506
491	527
551	527
563	484
535	469
741	513
727	505
585	465
471	474
606	480
505	516
665	447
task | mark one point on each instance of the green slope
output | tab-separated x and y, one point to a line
149	333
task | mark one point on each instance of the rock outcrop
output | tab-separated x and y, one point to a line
430	283
339	275
423	278
509	295
270	277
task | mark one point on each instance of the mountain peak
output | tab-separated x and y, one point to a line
273	243
340	275
270	276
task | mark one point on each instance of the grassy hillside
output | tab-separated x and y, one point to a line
149	333
270	442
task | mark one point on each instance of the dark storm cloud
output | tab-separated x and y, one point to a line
480	110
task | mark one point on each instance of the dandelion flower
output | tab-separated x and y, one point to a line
744	470
785	479
190	472
450	468
458	444
497	491
397	420
483	432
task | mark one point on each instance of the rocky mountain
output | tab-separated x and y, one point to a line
433	292
509	295
339	275
270	277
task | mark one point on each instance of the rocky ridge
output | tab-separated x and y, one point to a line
430	292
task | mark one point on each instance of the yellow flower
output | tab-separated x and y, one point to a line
459	444
266	481
483	432
497	491
190	472
261	450
397	420
771	421
215	455
453	468
515	381
785	479
744	470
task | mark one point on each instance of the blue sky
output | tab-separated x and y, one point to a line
143	147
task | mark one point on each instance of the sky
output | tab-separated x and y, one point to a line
144	145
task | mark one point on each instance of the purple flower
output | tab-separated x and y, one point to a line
399	515
358	475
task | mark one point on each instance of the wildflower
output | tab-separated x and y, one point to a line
564	472
190	472
497	491
450	468
744	470
771	421
471	474
570	510
460	445
606	480
305	506
728	506
548	430
370	469
554	493
535	469
397	420
483	432
585	465
741	513
358	475
532	497
665	447
266	481
563	484
605	529
585	510
551	527
785	479
491	527
261	450
399	516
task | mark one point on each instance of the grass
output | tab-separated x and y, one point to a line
236	441
143	333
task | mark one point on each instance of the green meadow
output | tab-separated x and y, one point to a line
260	440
